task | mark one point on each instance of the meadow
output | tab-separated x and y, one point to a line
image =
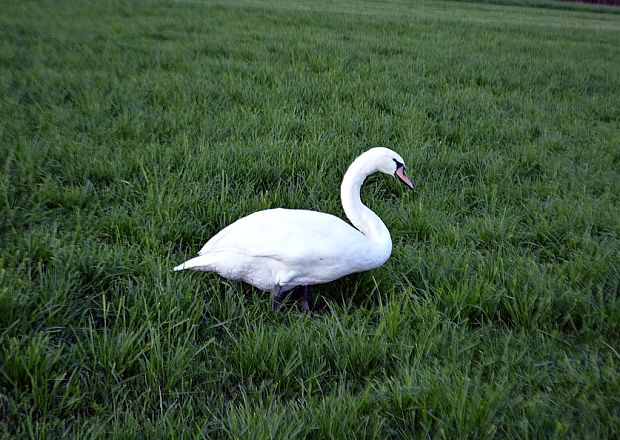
132	131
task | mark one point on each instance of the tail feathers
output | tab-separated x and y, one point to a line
201	262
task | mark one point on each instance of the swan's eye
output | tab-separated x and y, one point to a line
398	164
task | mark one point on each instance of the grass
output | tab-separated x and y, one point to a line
132	131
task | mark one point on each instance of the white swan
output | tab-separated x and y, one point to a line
280	249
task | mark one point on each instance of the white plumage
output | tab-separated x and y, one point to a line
284	248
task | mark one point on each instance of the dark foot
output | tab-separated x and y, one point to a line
305	299
277	298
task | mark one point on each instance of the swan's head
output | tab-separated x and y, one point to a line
389	162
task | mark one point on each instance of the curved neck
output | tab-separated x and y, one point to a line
366	221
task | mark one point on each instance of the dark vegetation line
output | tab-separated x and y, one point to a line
604	6
597	2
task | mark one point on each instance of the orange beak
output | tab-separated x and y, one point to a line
401	174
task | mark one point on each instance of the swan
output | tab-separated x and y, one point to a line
279	249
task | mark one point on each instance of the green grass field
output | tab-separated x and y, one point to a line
132	131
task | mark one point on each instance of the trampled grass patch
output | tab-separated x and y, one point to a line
132	131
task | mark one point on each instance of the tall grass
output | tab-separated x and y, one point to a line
132	131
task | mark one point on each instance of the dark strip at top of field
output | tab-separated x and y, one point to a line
571	5
598	2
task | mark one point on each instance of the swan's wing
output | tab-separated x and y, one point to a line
288	235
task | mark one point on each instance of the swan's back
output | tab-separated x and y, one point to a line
288	234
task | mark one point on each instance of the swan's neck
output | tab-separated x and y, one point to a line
363	218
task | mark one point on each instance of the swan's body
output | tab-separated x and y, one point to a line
285	248
311	248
